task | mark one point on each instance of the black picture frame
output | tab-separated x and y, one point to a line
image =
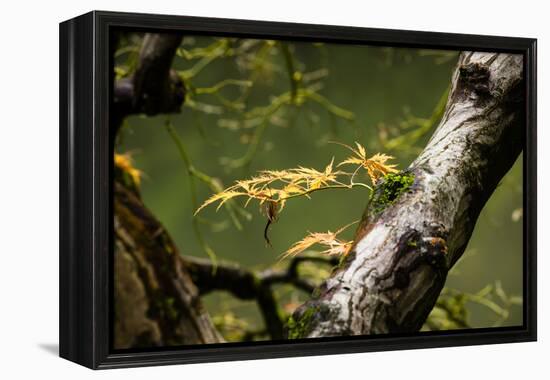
86	193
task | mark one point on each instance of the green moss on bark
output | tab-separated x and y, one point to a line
299	328
387	192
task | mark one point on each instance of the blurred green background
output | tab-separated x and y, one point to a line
385	88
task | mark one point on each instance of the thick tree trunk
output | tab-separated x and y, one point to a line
156	301
404	247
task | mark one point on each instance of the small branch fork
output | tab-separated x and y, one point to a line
154	88
248	285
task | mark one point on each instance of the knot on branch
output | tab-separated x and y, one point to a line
473	81
414	250
476	75
496	77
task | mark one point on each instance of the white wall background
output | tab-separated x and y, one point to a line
29	186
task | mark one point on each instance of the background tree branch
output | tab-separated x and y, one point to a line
248	285
153	88
405	246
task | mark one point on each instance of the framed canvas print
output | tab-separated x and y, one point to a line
238	189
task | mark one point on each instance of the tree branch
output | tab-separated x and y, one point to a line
154	88
248	285
403	249
156	302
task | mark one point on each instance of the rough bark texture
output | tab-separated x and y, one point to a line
156	301
410	236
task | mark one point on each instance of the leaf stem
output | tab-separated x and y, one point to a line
309	191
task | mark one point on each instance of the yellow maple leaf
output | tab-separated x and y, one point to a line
375	165
315	179
334	246
223	197
124	162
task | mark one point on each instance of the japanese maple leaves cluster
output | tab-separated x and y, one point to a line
273	188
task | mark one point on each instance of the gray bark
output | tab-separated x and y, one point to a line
397	267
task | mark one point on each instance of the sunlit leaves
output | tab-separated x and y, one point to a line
328	240
376	165
222	197
273	188
279	185
124	162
